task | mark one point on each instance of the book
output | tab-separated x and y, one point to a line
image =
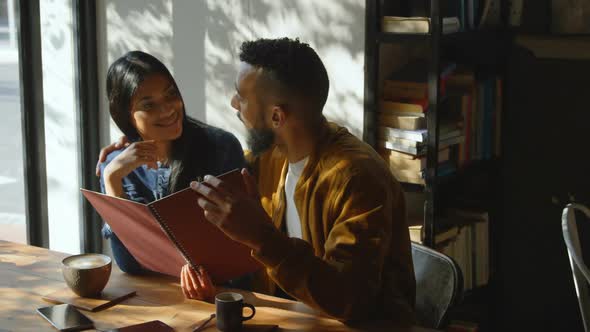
443	169
451	25
417	106
419	176
421	149
408	146
470	14
498	119
445	132
491	16
411	81
482	251
405	122
442	235
417	24
446	230
399	24
410	162
466	110
417	72
474	109
478	223
407	143
459	248
489	121
462	78
166	234
406	149
391	91
414	135
407	176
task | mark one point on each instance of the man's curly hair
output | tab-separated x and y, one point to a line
295	65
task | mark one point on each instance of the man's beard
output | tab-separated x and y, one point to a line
260	140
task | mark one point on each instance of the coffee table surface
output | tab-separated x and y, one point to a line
28	273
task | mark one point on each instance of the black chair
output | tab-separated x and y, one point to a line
439	285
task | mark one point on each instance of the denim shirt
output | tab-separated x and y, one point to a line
142	185
216	152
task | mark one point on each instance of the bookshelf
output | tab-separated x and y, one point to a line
374	39
482	48
485	50
476	184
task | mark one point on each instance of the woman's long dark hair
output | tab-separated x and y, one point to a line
124	77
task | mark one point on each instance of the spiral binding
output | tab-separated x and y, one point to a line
171	236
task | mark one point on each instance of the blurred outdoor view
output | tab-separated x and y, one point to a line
12	202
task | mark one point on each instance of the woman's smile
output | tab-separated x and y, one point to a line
169	121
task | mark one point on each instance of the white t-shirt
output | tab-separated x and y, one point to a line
293	221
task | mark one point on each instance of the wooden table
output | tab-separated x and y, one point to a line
27	273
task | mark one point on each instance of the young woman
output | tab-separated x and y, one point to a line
166	151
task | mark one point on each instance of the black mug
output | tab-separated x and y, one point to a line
229	311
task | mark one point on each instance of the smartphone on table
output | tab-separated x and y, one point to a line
65	317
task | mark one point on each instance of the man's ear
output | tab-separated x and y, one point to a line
278	117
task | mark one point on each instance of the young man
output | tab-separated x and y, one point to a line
323	213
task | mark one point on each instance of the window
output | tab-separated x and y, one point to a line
12	197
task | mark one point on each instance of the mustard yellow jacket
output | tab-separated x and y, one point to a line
354	261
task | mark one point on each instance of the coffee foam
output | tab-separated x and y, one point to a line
86	261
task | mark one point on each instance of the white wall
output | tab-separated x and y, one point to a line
199	40
60	125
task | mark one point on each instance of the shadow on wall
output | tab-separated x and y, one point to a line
145	26
172	31
335	29
199	41
134	25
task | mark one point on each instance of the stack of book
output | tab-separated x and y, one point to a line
410	168
469	130
414	141
402	124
